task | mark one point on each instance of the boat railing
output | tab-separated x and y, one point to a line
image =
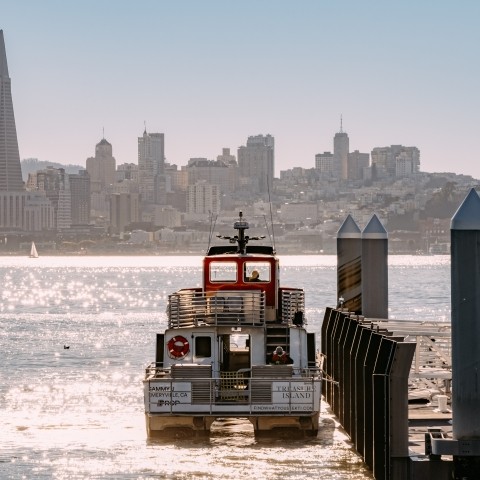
194	307
157	370
292	305
291	391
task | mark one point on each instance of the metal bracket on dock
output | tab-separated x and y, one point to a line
451	446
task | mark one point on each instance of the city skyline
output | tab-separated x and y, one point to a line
210	74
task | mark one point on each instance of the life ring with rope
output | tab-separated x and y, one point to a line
178	347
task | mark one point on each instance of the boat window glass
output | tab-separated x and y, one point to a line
223	272
257	272
203	346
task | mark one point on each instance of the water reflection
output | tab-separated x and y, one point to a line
78	413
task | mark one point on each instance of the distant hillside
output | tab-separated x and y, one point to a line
31	165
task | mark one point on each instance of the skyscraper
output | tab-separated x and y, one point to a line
80	192
13	198
101	167
256	162
10	171
340	152
151	164
101	170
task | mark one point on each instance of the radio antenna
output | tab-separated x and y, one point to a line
212	228
271	213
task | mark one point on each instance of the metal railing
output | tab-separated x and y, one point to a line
432	361
252	394
194	307
292	301
157	370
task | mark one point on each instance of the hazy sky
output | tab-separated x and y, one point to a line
209	73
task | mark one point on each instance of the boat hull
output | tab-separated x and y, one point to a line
159	426
269	404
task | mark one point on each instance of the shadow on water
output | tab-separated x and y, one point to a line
239	432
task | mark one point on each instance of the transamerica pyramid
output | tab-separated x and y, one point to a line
10	171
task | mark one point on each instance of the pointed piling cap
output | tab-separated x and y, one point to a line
374	229
349	229
467	217
3	57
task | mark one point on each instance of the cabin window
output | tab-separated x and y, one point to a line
203	346
257	272
223	272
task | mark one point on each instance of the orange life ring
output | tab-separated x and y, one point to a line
178	347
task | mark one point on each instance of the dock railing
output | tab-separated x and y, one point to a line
432	361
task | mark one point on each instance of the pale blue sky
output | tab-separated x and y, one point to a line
209	73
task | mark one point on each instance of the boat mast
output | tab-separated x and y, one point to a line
242	240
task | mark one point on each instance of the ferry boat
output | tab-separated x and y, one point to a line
235	348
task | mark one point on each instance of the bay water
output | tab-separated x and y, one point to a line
77	332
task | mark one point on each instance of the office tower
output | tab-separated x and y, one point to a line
256	162
151	163
12	191
340	152
101	167
80	195
10	171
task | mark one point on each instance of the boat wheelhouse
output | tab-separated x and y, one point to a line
218	357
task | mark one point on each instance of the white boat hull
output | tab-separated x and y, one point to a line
267	403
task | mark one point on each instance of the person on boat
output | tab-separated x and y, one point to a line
280	357
254	277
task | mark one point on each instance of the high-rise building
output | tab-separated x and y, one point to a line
393	161
324	164
101	167
214	172
80	193
38	213
10	171
127	171
256	162
203	198
227	158
151	164
357	164
124	210
54	183
13	197
340	152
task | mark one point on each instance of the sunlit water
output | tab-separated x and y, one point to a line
78	412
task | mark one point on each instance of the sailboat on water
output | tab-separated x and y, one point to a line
33	251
